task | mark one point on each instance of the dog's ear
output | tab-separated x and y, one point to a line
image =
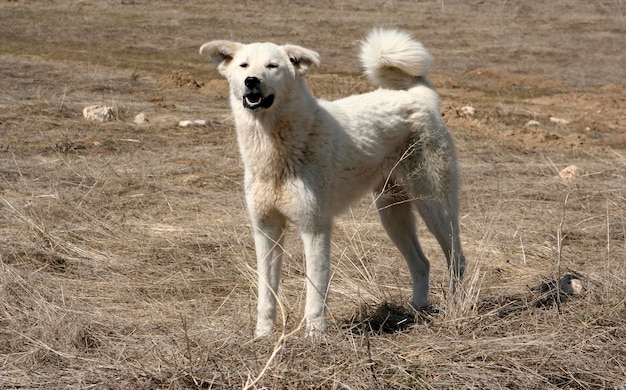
221	52
302	59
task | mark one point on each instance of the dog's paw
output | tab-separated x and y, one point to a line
263	331
424	314
315	329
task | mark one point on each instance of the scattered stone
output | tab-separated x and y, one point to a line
570	172
554	291
468	110
98	113
571	285
140	119
532	123
196	122
558	121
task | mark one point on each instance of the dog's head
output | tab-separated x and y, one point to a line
260	74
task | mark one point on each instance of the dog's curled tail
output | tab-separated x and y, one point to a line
393	59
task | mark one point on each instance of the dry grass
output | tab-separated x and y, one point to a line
125	252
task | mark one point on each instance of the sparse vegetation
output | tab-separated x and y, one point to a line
126	259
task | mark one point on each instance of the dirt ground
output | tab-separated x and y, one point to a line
126	257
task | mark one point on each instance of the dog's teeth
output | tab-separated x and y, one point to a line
252	103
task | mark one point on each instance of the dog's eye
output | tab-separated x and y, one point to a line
243	65
272	66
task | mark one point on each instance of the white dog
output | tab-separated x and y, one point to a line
307	159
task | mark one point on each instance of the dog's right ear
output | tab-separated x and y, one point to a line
221	52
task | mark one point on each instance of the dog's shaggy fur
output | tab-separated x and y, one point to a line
308	159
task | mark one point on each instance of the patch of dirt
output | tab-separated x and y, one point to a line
218	87
178	79
484	79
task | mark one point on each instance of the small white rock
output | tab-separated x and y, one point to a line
196	122
532	123
468	110
98	113
558	121
570	172
140	118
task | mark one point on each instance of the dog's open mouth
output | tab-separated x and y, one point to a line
256	101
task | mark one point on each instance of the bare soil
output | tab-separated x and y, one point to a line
127	261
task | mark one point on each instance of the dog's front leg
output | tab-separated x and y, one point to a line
268	240
317	254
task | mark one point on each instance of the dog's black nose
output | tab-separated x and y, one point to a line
252	82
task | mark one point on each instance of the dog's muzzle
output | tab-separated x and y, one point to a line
253	99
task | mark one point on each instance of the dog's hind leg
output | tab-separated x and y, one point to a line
395	210
268	240
441	217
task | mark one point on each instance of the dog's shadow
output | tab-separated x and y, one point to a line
389	318
386	318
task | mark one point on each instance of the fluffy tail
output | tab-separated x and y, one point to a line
393	59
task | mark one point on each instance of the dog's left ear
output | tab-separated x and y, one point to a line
221	52
302	59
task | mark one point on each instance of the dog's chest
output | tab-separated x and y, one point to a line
286	194
282	170
283	183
